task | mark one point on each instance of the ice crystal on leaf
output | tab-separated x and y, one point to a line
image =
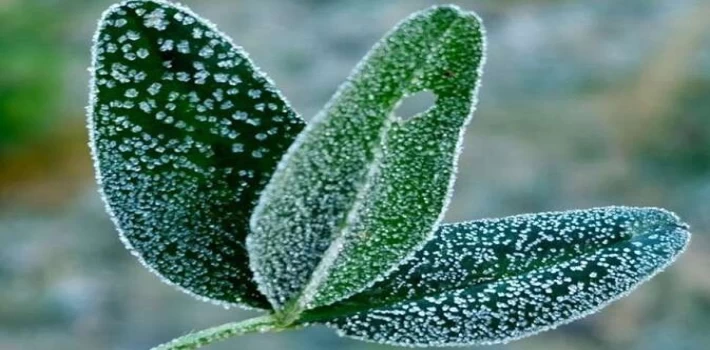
180	191
361	189
186	133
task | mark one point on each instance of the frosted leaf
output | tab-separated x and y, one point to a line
361	189
176	170
496	280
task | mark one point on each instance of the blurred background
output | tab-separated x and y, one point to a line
584	103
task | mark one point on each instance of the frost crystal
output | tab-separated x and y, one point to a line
179	175
156	19
361	189
497	280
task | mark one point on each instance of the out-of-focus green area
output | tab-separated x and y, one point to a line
584	103
32	65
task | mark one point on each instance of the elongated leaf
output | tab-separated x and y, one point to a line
361	188
185	133
497	280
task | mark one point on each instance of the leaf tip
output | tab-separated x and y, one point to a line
658	221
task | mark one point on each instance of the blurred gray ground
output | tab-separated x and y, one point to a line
584	103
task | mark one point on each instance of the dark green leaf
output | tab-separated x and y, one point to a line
185	132
496	280
361	189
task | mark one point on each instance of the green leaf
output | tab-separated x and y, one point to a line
361	189
496	280
185	132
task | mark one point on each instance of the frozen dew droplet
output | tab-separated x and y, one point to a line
156	19
131	93
142	53
184	47
154	88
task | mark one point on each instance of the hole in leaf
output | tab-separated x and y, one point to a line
415	104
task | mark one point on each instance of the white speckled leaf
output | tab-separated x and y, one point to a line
185	133
497	280
361	188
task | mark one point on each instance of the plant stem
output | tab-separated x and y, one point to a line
210	335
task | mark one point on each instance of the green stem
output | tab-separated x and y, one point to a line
210	335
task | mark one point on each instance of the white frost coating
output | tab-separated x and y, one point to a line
497	280
359	190
459	149
176	207
179	166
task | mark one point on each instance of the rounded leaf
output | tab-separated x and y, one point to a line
185	132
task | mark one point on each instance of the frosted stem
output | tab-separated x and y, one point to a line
211	335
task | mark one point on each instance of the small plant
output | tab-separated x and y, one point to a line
220	188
